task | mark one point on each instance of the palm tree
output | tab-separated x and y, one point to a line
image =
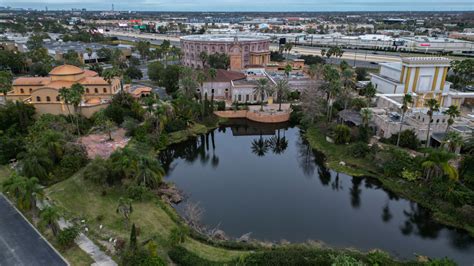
261	89
348	82
454	140
406	101
278	144
110	74
453	112
281	89
25	190
369	92
366	114
332	87
6	79
288	47
125	209
49	217
149	172
437	165
288	69
36	163
433	106
314	71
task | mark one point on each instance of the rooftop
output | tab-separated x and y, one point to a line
224	38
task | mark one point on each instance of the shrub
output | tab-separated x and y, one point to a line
97	171
359	150
345	260
140	257
410	175
66	237
342	134
358	103
177	236
137	192
220	105
175	125
408	139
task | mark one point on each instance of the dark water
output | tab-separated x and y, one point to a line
269	182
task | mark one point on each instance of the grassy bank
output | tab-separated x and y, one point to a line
444	212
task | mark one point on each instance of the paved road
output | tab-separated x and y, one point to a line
20	243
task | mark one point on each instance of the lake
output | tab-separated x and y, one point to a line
266	180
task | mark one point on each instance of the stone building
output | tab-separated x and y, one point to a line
242	50
43	92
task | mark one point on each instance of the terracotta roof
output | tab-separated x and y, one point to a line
226	76
140	90
90	73
32	81
60	84
93	101
66	70
93	81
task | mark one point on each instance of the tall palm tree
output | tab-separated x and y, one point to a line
49	217
281	89
203	56
260	146
369	92
149	172
6	79
332	86
261	89
314	71
287	70
348	80
406	101
453	112
288	47
454	140
433	106
277	143
366	114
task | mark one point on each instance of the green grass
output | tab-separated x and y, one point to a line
337	153
5	171
182	135
81	199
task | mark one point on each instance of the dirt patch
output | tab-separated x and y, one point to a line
100	145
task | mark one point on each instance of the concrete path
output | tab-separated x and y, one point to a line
21	243
99	257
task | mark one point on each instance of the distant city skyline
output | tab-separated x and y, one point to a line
248	5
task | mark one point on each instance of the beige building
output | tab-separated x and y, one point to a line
43	92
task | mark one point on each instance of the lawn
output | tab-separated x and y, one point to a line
81	199
5	171
338	153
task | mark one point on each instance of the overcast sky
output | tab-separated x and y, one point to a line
249	5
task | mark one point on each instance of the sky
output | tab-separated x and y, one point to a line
249	5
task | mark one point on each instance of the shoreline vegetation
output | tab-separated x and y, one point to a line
339	160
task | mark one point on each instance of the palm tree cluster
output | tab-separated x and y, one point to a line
277	144
24	190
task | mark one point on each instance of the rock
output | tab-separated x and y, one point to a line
171	193
219	235
342	163
330	140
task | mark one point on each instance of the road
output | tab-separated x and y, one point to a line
20	243
366	56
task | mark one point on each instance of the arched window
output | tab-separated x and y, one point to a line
38	99
58	99
96	90
87	90
437	121
31	90
105	90
48	99
22	91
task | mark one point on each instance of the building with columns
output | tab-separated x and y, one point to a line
424	77
242	50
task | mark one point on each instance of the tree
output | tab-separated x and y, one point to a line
369	92
433	106
361	73
187	83
454	140
342	134
332	86
71	57
453	112
149	172
49	217
366	114
314	71
260	146
437	165
212	75
281	88
261	89
288	69
143	48
155	71
6	80
348	82
287	48
219	61
25	190
133	238
406	101
105	53
204	57
463	72
133	72
36	41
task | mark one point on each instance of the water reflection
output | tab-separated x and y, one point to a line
272	177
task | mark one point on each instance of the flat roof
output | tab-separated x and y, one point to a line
224	38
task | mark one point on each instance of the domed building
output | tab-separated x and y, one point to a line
43	92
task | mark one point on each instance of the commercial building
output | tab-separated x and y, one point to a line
43	92
242	50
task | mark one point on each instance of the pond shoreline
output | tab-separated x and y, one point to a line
442	211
